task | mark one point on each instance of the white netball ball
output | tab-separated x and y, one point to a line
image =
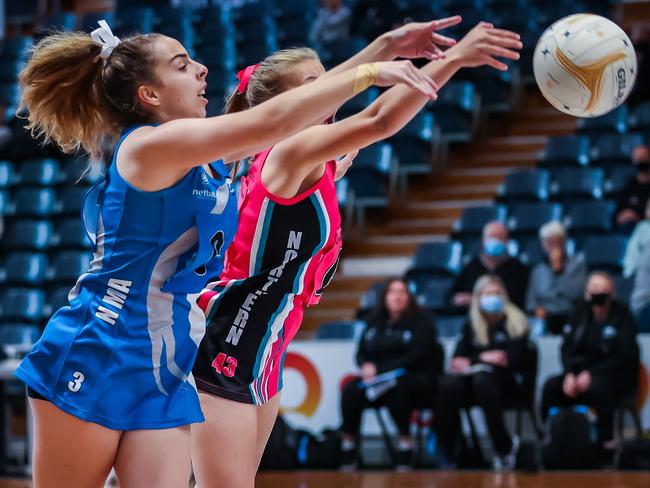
585	65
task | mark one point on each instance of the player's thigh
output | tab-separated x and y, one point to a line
224	446
266	415
68	451
159	458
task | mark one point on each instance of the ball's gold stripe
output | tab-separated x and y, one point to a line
591	75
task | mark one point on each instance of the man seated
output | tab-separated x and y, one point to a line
493	258
600	357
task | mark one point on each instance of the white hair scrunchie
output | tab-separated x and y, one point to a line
104	36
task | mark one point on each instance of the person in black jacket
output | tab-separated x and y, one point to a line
401	339
488	368
600	357
493	258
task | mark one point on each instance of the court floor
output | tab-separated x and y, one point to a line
436	479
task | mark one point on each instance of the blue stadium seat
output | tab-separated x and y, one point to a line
566	151
531	251
450	326
88	21
624	288
357	104
495	87
41	172
219	55
249	12
617	178
525	185
639	119
58	297
77	171
283	9
413	147
260	31
605	253
457	111
135	20
69	265
334	53
441	258
28	234
6	205
588	218
256	51
10	69
527	218
340	330
615	148
473	219
71	198
25	268
15	47
371	298
23	304
10	93
614	122
70	233
293	31
372	178
18	339
35	202
59	21
7	174
434	294
577	184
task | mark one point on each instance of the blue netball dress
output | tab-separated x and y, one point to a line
121	354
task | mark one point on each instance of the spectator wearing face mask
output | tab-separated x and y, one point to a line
557	283
487	369
631	205
600	357
492	259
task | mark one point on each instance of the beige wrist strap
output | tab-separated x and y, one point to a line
367	75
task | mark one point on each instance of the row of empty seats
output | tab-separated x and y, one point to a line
605	150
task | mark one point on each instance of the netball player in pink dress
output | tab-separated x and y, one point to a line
287	247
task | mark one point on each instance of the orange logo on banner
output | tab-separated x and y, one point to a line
305	367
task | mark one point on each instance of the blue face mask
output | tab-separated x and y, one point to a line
491	303
494	247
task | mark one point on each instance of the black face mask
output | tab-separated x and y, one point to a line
599	299
643	167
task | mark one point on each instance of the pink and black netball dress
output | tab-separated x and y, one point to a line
285	252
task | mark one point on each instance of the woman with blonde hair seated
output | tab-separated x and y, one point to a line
487	368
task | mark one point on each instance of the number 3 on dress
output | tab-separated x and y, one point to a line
225	365
75	385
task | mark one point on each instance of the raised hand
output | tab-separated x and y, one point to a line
484	43
420	39
395	72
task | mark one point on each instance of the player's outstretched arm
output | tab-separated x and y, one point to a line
410	41
186	143
395	108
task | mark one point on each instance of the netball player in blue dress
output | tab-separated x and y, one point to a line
110	380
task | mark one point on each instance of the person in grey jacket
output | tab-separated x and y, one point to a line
640	299
557	283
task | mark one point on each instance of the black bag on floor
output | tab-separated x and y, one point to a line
280	452
321	451
568	442
635	455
